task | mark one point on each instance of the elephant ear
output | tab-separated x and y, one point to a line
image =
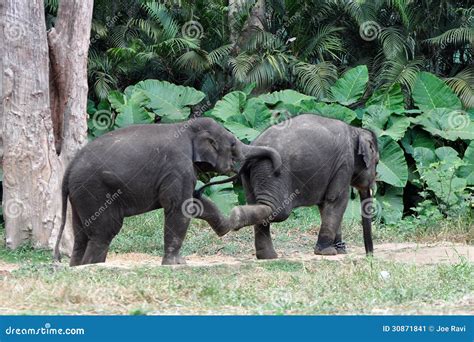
367	148
205	149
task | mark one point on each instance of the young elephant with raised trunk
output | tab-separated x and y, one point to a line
321	158
141	168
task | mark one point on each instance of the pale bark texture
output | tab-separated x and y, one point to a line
44	106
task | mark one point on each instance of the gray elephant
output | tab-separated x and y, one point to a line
141	168
321	158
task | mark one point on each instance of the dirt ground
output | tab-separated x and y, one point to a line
400	252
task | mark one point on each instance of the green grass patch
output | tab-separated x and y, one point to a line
276	287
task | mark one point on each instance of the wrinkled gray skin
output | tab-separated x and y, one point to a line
141	168
321	159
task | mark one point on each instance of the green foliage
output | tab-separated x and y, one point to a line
380	120
391	99
140	104
169	101
392	167
351	86
332	110
447	123
466	171
430	92
438	170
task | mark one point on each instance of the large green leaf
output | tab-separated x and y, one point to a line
169	101
130	108
230	105
382	122
287	96
257	114
447	123
242	131
333	110
392	204
351	86
392	167
416	137
392	99
467	171
430	92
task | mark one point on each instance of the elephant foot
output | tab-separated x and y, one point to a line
173	260
341	248
221	231
265	254
325	251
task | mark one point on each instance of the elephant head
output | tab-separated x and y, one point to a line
216	149
366	158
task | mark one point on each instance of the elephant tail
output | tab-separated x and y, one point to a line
366	208
64	194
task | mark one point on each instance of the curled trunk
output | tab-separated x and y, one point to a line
261	152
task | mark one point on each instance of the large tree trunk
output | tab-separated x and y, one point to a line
39	140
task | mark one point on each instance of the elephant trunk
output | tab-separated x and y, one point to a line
366	209
259	152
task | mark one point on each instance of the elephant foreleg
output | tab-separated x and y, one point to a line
176	226
240	216
331	218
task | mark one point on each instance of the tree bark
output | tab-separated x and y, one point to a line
44	114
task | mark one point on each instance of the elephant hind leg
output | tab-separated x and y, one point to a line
240	216
101	232
80	240
96	251
263	242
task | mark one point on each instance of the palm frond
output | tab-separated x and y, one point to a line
463	85
261	39
324	40
194	60
456	36
400	71
217	55
241	65
394	43
159	13
315	79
